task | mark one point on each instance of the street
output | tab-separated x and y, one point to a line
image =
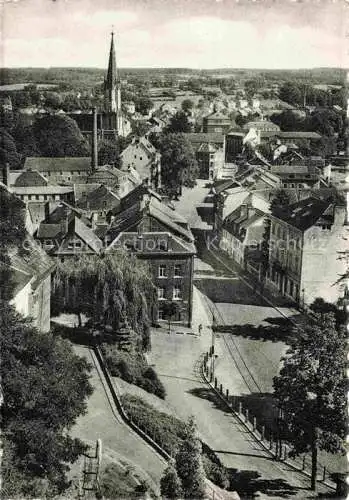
177	360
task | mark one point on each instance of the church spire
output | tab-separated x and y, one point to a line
112	92
112	74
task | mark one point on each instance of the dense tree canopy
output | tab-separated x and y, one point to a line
23	135
189	463
8	150
312	389
179	123
143	105
45	386
187	104
109	289
109	153
59	135
178	163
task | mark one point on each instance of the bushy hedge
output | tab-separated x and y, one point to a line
168	432
132	367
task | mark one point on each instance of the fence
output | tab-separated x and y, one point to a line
268	437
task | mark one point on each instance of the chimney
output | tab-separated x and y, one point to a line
94	152
6	175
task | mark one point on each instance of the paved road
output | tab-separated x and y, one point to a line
103	421
177	359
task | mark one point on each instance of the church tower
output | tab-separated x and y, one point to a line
112	90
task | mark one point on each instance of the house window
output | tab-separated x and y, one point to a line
162	271
78	244
48	243
177	293
161	293
177	270
162	245
161	315
70	245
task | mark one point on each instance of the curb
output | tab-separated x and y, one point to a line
257	438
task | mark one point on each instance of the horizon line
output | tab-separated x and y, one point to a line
222	68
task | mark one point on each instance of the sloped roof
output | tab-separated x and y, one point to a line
174	244
82	189
50	189
95	200
49	231
61	164
166	218
261	125
201	137
30	178
86	234
303	214
299	135
34	262
207	147
294	169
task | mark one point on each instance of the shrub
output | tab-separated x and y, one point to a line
132	367
169	432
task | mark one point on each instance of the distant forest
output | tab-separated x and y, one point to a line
68	78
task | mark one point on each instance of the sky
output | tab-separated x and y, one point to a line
176	33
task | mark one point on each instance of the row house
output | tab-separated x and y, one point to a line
299	176
242	236
306	240
155	233
210	160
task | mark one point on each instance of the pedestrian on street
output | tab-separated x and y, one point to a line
200	329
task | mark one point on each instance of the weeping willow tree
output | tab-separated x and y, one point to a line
110	289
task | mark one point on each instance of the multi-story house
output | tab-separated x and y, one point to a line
306	239
61	170
299	176
210	159
142	159
217	123
65	233
158	235
242	235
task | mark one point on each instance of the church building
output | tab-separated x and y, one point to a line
112	121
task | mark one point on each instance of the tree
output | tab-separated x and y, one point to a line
110	289
311	389
288	121
170	309
179	123
187	104
170	484
45	386
23	134
53	100
280	200
292	93
109	153
143	105
58	135
189	463
8	150
178	163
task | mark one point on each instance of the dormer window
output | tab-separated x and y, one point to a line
162	245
